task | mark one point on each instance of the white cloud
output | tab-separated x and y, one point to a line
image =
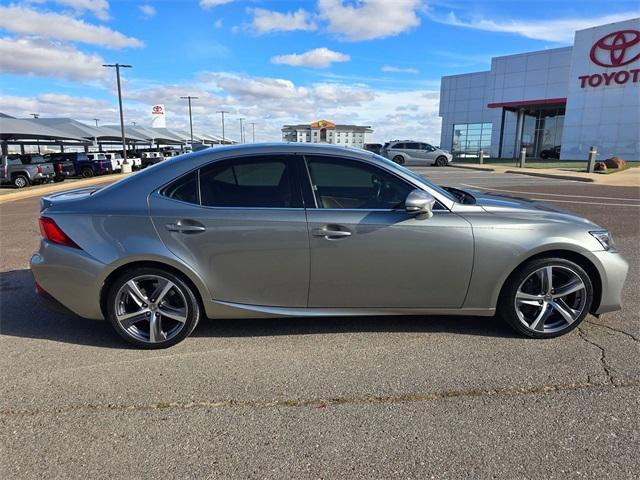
213	3
24	20
369	19
99	8
392	69
266	21
316	58
557	30
148	11
56	105
218	23
255	88
26	56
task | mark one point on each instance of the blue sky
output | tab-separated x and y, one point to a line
373	62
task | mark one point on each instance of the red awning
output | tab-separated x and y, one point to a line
529	103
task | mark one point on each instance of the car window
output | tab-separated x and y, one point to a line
184	189
344	183
14	161
412	146
398	145
261	182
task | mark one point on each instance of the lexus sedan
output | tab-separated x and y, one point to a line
313	230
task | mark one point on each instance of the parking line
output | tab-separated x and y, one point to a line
557	194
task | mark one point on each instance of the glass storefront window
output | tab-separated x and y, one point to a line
470	138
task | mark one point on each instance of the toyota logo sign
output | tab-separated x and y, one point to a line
157	109
616	49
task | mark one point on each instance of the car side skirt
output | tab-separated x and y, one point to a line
221	309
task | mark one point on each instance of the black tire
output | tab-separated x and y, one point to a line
87	172
399	159
21	181
507	301
441	161
191	304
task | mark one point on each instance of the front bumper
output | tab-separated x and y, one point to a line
70	277
613	272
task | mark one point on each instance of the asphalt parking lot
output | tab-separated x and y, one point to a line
399	397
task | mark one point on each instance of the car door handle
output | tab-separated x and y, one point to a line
328	233
176	227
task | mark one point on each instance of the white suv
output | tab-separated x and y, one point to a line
412	152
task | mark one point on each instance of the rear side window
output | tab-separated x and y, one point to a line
261	182
184	189
398	145
412	146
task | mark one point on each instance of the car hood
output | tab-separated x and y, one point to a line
499	203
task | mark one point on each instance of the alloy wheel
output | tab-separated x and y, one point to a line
151	308
550	299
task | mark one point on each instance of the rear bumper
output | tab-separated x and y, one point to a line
613	272
70	277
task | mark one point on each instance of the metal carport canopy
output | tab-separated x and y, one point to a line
16	130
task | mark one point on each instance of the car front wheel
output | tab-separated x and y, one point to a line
20	181
546	297
441	161
399	159
152	308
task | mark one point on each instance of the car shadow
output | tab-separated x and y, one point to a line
23	314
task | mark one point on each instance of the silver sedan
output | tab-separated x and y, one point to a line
313	230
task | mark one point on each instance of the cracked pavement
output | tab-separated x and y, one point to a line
396	397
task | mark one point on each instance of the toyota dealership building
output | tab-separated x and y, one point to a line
572	98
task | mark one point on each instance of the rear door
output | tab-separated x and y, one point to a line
368	252
243	229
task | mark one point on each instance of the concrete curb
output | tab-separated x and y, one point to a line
58	187
480	169
552	175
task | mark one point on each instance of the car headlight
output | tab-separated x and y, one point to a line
605	239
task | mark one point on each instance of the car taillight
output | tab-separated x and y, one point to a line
59	167
52	232
39	168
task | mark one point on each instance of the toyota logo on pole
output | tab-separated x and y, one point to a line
616	49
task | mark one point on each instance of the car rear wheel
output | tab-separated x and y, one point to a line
152	308
20	181
86	172
546	297
441	161
399	159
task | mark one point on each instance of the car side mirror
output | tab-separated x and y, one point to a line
420	202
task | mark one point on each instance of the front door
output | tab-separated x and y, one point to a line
367	252
244	230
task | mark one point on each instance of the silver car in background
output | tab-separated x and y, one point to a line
313	230
410	152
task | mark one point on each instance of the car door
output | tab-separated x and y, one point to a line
428	152
412	149
240	224
368	252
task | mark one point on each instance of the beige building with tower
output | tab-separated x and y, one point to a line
324	131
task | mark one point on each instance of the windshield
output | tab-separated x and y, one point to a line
414	175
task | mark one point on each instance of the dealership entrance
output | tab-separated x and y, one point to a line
539	125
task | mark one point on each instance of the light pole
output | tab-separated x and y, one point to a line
253	132
241	130
222	112
118	66
189	98
35	117
96	120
